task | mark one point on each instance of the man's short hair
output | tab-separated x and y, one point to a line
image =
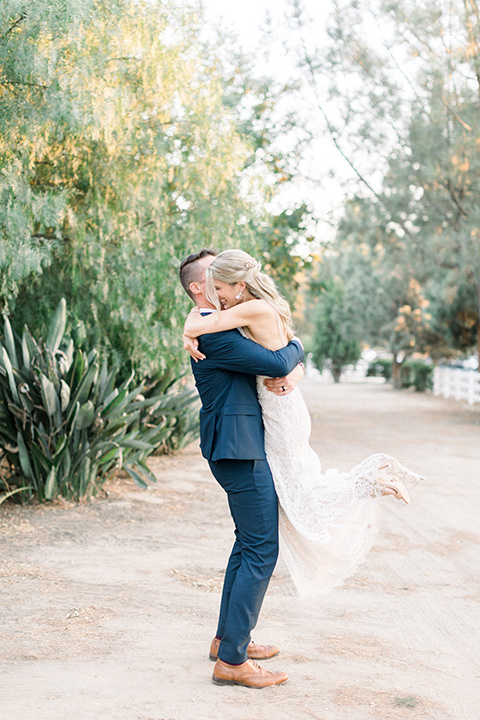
189	270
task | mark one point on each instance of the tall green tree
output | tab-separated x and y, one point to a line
402	111
383	287
125	158
335	335
281	232
127	141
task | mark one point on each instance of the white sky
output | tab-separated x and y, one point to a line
246	18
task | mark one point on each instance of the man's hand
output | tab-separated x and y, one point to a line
191	346
285	385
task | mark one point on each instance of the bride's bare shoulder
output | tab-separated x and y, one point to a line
258	307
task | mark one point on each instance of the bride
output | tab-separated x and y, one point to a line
327	521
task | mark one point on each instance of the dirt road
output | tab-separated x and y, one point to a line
108	608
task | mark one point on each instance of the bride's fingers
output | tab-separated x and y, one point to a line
196	355
279	386
191	346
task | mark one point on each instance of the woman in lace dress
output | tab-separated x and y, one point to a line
327	521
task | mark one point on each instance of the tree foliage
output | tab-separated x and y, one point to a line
126	143
402	109
335	334
382	289
125	155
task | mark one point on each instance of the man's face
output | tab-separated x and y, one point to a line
199	286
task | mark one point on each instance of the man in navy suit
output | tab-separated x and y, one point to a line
232	440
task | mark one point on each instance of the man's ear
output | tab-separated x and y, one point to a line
195	288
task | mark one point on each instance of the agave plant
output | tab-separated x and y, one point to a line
177	405
65	426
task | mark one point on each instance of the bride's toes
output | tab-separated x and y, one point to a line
388	490
397	489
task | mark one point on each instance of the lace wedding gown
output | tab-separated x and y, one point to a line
327	521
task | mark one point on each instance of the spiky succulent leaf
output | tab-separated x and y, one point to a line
83	391
7	366
49	396
57	327
24	456
64	395
136	477
10	343
50	484
30	349
86	416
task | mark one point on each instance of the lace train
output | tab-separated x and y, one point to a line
327	521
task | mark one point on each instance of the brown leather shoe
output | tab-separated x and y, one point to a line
254	652
248	673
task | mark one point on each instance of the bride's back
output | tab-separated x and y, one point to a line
267	328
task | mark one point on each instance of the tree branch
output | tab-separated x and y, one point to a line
456	201
17	22
333	135
447	265
331	130
126	57
27	84
473	10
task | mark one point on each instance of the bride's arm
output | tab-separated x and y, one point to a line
244	314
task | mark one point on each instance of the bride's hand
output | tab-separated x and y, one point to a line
191	346
188	330
285	385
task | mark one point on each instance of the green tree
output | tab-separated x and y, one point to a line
334	336
24	74
383	287
125	159
279	233
127	142
402	110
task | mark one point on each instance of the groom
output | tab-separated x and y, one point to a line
232	440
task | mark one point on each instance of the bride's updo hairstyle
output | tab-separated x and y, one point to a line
232	266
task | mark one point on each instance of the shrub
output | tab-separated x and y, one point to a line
65	426
334	343
176	406
417	374
380	368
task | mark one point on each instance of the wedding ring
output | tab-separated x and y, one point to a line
283	388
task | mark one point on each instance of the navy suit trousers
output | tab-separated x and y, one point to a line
253	505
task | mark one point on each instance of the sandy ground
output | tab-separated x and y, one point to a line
108	608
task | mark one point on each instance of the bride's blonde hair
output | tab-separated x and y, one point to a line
232	266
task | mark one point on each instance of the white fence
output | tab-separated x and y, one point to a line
456	383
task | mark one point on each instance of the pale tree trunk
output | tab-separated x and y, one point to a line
396	373
478	327
336	372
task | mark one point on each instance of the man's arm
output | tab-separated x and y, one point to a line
285	385
231	351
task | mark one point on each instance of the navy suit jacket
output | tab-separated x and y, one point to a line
231	425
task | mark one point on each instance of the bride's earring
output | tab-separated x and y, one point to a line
237	297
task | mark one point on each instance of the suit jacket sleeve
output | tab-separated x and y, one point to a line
229	350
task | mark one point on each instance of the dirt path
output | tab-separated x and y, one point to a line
108	608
